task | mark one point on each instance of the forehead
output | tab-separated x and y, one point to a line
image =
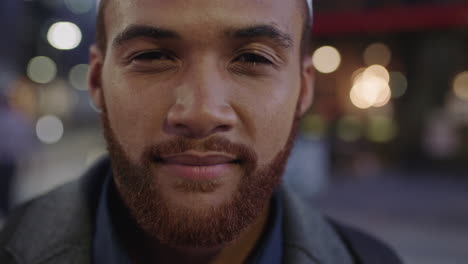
207	16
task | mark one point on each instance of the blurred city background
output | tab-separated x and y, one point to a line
384	147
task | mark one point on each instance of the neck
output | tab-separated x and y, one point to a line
142	249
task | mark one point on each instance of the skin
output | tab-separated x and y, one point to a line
207	84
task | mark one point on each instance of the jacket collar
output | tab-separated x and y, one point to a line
308	236
58	226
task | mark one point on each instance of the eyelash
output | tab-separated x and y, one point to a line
148	56
252	58
246	62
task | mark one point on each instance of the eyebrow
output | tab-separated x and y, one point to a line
263	31
257	31
143	31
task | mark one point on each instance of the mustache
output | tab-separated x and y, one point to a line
242	152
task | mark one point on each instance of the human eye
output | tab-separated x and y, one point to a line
149	56
152	61
254	59
253	62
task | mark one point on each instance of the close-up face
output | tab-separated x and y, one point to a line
199	100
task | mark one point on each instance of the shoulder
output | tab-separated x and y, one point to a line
57	222
44	206
42	221
363	247
327	240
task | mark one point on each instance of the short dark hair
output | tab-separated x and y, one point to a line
101	34
306	37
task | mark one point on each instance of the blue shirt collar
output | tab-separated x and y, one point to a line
270	247
107	248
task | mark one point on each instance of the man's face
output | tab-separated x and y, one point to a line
199	101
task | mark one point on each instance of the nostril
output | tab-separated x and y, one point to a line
199	120
180	126
223	128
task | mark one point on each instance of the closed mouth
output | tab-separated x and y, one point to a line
197	160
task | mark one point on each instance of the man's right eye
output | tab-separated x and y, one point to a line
153	61
152	55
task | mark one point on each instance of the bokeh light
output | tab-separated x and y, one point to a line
23	97
79	7
398	84
357	74
359	97
64	35
78	77
383	97
326	59
460	86
49	129
377	71
457	108
41	69
377	53
57	99
371	88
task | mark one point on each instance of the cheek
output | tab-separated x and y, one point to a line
136	109
274	130
274	114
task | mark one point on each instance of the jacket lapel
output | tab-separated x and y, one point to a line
308	237
53	228
59	226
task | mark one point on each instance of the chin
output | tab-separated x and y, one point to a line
198	196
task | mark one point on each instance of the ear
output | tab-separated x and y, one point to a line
307	85
96	60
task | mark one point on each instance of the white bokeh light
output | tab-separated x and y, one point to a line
326	59
41	69
57	99
357	74
64	35
371	87
460	86
377	71
49	129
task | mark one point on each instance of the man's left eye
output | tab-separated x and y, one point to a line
253	59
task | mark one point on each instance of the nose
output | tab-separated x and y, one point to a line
202	107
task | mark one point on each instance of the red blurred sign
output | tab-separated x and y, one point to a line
398	19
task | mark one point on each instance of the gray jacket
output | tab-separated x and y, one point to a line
58	228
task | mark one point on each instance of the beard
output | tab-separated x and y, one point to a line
177	226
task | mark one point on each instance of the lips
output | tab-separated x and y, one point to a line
193	160
197	166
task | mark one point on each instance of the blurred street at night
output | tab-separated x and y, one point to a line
383	148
